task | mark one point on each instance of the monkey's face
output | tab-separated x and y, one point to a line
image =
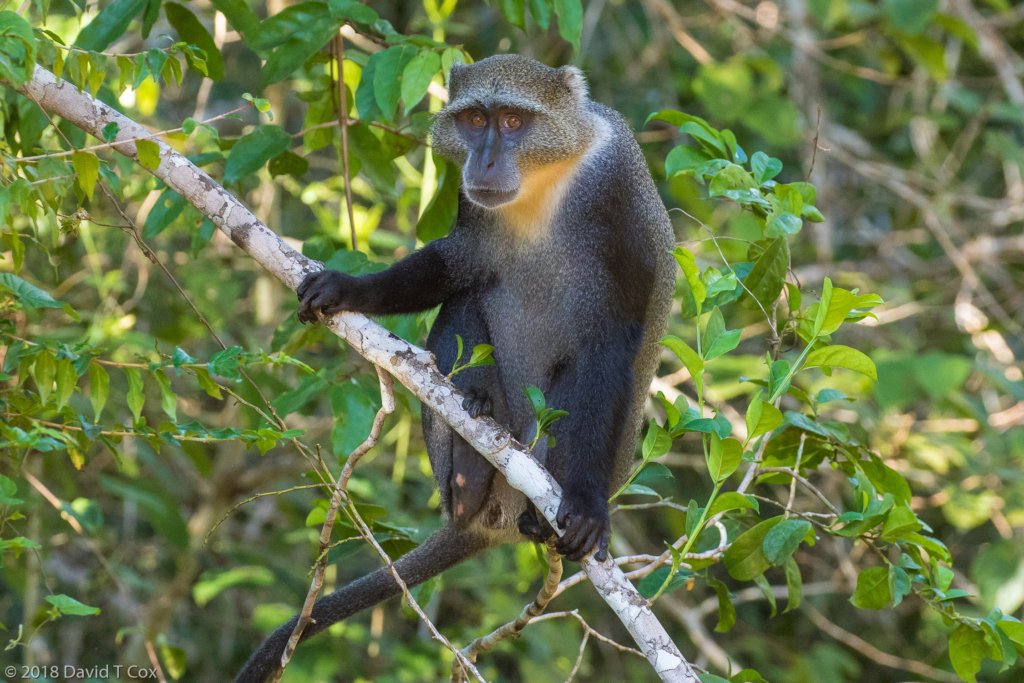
490	176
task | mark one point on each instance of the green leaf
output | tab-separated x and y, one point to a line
724	456
514	12
900	520
650	584
570	21
777	374
376	165
684	159
842	357
745	557
872	590
690	359
192	31
238	14
417	76
899	584
387	81
174	660
7	490
136	399
783	540
149	154
351	10
288	163
719	341
910	16
44	371
17	49
439	216
766	278
310	386
656	443
764	167
99	388
967	647
653	470
255	149
692	273
296	49
70	606
66	378
168	400
213	583
110	131
30	296
762	417
732	178
169	205
766	591
354	407
794	584
540	10
730	500
109	25
726	610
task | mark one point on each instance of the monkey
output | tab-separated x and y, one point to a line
560	259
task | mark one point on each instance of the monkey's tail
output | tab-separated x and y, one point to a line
442	551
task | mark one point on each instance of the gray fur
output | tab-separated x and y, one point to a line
574	302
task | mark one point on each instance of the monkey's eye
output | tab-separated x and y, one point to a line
478	120
512	121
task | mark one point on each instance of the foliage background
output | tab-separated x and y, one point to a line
916	108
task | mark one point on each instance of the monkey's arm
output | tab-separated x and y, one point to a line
596	388
442	551
424	279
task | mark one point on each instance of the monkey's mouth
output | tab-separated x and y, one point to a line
490	199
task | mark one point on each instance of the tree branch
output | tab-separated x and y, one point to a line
411	365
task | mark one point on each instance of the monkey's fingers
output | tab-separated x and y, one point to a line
306	283
580	539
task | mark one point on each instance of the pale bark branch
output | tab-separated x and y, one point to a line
411	365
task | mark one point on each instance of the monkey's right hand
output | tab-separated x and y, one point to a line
327	291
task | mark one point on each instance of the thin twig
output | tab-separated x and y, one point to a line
114	144
873	653
810	487
387	407
796	468
514	629
814	154
339	53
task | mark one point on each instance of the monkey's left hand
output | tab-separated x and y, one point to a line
328	291
584	518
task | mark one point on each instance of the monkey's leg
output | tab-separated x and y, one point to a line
464	477
442	551
596	387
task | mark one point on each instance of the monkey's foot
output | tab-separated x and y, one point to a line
584	519
477	403
534	526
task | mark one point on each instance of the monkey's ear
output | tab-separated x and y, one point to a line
454	78
575	81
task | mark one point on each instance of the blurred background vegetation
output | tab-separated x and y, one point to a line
905	114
